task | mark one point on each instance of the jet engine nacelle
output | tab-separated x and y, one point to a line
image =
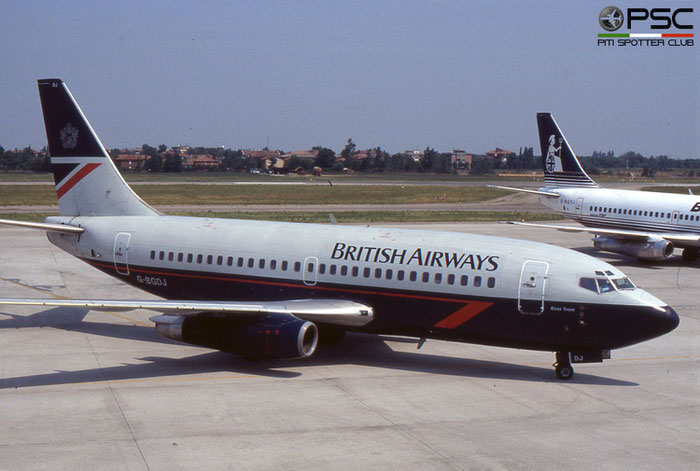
271	336
660	249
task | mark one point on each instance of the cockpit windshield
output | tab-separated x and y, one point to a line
604	284
623	283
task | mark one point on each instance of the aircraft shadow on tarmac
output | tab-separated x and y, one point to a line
357	349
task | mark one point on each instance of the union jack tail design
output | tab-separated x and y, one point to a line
87	181
561	167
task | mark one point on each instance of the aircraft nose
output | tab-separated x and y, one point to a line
672	319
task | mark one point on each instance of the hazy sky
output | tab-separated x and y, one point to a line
399	75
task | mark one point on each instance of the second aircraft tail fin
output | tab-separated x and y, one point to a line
561	167
87	181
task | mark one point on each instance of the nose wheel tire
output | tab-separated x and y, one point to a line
563	367
564	371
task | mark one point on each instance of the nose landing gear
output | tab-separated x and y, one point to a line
563	367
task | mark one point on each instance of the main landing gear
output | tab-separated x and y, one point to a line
563	367
691	254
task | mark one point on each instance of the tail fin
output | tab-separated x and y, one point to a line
561	167
87	181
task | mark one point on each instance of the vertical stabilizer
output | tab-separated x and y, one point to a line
87	181
561	167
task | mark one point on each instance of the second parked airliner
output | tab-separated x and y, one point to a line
643	224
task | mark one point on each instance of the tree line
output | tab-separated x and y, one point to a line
371	160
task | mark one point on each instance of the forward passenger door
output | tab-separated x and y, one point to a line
533	278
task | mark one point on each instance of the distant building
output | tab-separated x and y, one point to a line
500	155
301	154
364	154
461	161
135	162
200	161
182	150
416	155
270	159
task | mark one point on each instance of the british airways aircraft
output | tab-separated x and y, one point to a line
647	225
269	289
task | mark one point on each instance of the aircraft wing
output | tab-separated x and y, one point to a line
339	312
617	233
551	194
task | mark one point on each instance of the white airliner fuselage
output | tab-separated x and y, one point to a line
648	225
266	289
628	209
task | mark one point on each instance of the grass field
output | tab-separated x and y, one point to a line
345	217
272	195
673	189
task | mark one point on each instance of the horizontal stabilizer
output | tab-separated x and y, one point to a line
44	226
551	194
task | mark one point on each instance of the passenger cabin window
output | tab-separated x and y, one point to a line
399	275
199	258
161	255
333	269
261	263
190	257
344	270
153	254
389	274
464	280
450	279
426	277
477	281
171	256
491	282
377	273
355	271
219	260
297	266
284	265
413	276
310	267
229	261
322	268
210	258
180	256
438	278
251	262
240	261
273	264
365	272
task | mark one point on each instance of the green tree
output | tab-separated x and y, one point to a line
429	160
172	163
348	150
325	157
155	163
149	150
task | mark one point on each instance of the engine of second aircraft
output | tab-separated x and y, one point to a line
659	249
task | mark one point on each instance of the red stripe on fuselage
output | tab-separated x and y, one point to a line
462	315
72	181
